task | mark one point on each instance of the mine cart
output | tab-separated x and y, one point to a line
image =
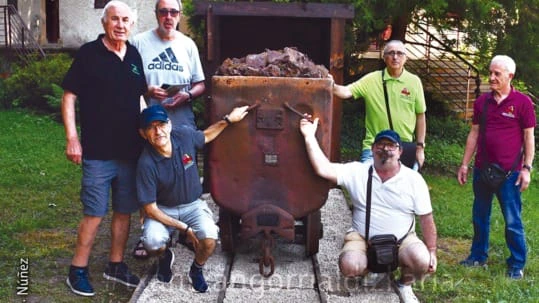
260	174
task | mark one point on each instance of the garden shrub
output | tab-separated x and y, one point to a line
30	83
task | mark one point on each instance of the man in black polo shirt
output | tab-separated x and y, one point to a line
168	187
107	79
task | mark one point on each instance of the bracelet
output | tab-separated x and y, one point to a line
190	96
187	228
528	167
228	122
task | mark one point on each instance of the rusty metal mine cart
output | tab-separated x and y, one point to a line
260	175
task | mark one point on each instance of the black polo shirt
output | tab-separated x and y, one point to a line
108	91
171	181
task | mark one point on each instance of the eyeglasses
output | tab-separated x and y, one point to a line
160	125
393	53
387	145
163	12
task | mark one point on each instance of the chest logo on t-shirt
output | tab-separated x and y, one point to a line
509	112
165	61
405	92
134	69
187	161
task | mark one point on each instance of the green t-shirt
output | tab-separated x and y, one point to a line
406	100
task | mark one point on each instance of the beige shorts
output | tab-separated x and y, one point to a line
353	241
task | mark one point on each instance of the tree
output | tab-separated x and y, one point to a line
491	26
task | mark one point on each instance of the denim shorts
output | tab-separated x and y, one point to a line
196	214
100	178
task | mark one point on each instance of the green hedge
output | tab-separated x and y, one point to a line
30	83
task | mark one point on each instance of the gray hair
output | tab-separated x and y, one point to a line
506	62
157	4
116	3
394	42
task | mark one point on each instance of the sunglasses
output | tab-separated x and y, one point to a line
163	12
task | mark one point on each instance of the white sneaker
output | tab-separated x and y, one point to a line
372	279
407	294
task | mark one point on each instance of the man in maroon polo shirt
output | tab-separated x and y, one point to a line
507	140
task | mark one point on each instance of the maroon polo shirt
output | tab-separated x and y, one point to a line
504	130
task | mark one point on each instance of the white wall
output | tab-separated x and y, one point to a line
80	22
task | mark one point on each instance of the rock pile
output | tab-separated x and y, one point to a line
288	62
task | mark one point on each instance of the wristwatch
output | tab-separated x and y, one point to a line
190	96
228	122
421	144
526	166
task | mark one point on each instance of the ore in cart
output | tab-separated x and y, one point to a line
260	174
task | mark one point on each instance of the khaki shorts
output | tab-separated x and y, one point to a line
354	242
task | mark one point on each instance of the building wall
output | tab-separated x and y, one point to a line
80	22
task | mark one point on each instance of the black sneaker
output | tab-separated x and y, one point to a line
121	274
78	281
197	279
473	263
164	269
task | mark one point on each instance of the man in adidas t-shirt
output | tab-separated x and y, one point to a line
171	64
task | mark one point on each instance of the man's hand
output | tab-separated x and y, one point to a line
74	151
420	156
524	179
433	263
462	174
177	100
307	128
192	237
157	92
238	113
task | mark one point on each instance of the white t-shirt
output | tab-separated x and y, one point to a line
175	62
394	203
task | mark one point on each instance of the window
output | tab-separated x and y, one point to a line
100	3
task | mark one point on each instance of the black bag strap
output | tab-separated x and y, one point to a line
483	131
368	210
387	100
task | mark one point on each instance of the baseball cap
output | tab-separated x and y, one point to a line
388	134
151	114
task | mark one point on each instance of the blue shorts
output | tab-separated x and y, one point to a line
196	214
100	178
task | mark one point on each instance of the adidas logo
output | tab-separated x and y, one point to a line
166	61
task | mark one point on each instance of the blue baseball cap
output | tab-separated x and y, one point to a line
389	134
151	114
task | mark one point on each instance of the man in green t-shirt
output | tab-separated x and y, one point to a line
406	102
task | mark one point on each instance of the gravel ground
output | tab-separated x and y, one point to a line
293	280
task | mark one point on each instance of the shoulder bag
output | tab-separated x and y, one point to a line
382	250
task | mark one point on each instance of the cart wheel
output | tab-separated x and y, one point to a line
313	232
229	225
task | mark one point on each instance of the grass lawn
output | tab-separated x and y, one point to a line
41	209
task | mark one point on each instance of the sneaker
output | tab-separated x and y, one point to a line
197	279
515	273
372	279
164	269
473	263
407	294
120	273
78	281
